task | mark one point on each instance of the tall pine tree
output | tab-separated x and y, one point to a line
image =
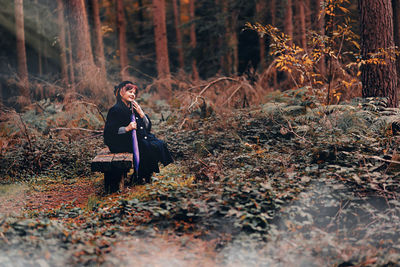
378	80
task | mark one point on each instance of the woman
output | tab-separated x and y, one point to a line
118	132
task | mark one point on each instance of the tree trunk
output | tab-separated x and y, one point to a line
61	36
272	12
273	22
81	44
121	29
193	41
396	33
232	56
39	40
161	41
289	21
302	23
219	4
378	80
98	38
71	61
321	29
141	17
260	7
178	35
234	44
307	11
21	52
228	56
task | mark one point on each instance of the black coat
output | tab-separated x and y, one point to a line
151	149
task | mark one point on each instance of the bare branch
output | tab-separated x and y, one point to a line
208	86
76	129
25	130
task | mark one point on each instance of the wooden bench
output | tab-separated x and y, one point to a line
115	167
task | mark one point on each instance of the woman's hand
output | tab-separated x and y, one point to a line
131	126
138	109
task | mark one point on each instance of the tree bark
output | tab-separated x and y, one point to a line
321	28
396	33
121	29
234	44
260	7
273	22
98	38
80	37
228	56
178	34
219	4
161	41
71	62
61	36
396	21
231	38
378	80
272	12
39	45
289	21
193	41
21	52
307	11
302	23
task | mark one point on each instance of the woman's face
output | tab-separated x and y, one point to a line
128	93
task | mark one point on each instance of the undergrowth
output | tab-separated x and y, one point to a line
240	176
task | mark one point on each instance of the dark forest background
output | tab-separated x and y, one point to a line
205	56
87	46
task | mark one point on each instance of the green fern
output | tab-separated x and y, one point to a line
383	123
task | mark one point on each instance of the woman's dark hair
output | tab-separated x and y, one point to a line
118	88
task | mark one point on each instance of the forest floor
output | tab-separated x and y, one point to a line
284	184
17	199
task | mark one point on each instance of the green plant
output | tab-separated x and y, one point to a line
302	64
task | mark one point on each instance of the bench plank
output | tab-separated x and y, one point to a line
115	167
104	151
102	163
105	161
122	161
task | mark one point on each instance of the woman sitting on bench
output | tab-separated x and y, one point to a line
118	132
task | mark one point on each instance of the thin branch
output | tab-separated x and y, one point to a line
269	69
373	157
234	92
215	81
78	129
46	82
181	125
4	237
208	86
291	130
381	159
94	105
141	72
26	132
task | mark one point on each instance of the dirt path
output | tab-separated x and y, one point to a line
17	198
13	198
164	250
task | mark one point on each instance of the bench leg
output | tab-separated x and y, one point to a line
114	181
121	184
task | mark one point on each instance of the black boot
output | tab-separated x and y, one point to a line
147	178
135	180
